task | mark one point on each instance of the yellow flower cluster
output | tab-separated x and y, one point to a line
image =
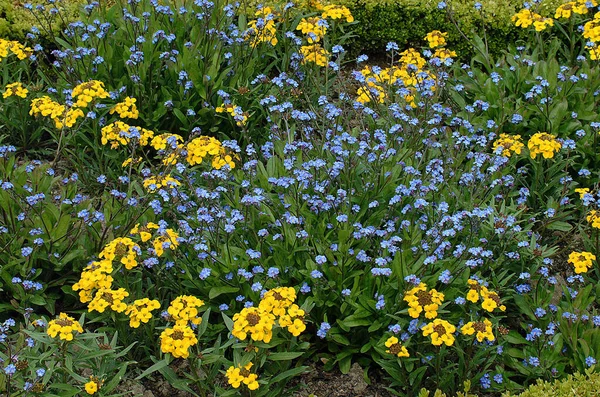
582	192
154	183
582	261
266	32
160	142
419	300
314	53
337	12
119	133
169	237
395	348
122	249
544	144
443	54
276	305
46	107
490	299
106	297
594	219
96	275
199	148
18	49
481	329
83	95
315	28
145	231
15	89
184	310
240	117
567	9
126	109
64	327
178	340
140	311
409	70
86	93
509	144
238	375
436	38
280	302
525	18
254	321
95	283
441	331
591	32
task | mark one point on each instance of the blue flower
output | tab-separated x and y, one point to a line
323	329
589	361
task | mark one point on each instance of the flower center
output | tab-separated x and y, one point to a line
253	319
440	329
424	298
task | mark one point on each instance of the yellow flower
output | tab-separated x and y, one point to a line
154	183
254	321
436	38
85	93
95	276
64	326
419	300
544	144
92	386
443	54
314	27
264	32
582	192
126	109
277	300
582	261
109	298
315	54
238	375
168	239
440	331
337	12
395	348
509	144
119	133
160	142
491	300
594	219
178	340
184	309
122	249
483	330
524	18
16	89
540	23
140	311
239	116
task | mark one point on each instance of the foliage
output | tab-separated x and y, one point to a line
16	20
35	363
435	221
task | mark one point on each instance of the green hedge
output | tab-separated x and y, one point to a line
577	385
406	22
16	21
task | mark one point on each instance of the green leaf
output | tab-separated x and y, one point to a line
284	356
216	291
290	373
156	367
